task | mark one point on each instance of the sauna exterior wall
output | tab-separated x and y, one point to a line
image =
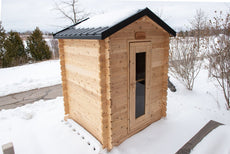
119	75
95	78
83	84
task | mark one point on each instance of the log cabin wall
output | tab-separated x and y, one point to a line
63	74
82	83
95	76
119	74
105	93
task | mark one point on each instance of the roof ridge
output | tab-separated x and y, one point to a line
113	28
135	17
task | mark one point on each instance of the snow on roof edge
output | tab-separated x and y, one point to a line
107	19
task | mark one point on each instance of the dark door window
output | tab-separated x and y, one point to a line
140	84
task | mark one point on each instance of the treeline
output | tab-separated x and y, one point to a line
204	27
207	31
13	51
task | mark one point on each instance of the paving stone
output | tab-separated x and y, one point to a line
11	106
7	100
28	101
37	95
19	99
22	95
53	93
59	86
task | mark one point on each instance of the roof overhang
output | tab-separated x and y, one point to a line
94	33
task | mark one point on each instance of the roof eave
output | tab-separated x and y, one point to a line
54	35
92	37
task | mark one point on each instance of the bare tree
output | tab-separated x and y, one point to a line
184	60
69	9
186	53
219	55
54	48
199	27
2	41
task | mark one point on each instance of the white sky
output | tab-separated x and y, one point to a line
22	15
0	10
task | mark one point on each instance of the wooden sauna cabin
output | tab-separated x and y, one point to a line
115	73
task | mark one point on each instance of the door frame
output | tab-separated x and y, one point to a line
138	46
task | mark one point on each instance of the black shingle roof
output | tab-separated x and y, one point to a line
103	32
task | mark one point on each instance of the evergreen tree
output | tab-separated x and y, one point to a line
37	47
2	40
15	53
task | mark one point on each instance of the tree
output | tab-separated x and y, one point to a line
37	47
185	52
69	9
184	60
199	26
219	55
15	53
2	40
54	47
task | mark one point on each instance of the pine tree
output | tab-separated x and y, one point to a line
2	40
37	46
15	53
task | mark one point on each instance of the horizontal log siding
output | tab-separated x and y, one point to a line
119	75
83	83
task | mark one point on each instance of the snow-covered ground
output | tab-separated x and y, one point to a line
30	76
39	128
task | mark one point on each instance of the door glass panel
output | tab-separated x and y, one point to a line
140	84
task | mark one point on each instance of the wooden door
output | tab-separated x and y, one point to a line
139	84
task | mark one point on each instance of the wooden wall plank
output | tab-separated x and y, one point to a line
95	74
81	50
119	73
88	73
85	62
83	83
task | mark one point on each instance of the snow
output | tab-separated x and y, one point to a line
40	128
187	113
30	76
107	19
215	142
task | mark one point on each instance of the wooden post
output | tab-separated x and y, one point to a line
165	77
63	74
105	93
8	148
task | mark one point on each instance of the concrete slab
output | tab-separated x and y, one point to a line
37	95
22	95
23	102
19	99
11	106
7	100
53	93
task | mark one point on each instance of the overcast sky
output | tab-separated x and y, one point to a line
23	15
